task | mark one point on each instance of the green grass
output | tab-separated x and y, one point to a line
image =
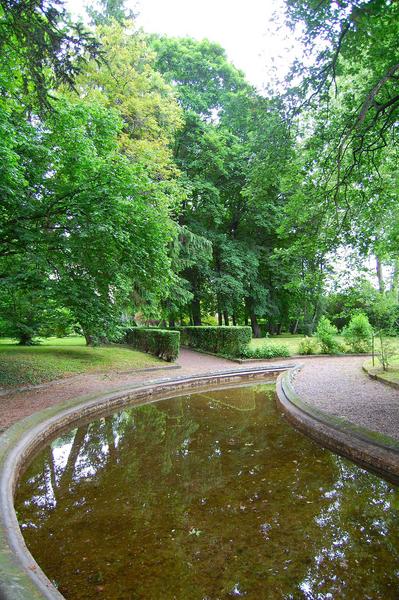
72	340
292	342
56	358
391	375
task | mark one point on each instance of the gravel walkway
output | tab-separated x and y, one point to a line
334	384
338	385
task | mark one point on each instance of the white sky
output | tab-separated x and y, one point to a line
253	42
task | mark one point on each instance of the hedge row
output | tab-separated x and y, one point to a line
229	341
159	342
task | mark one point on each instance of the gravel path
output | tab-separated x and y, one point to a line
338	385
334	384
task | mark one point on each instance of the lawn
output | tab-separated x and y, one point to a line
55	358
391	375
292	342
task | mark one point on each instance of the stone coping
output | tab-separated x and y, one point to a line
20	576
370	449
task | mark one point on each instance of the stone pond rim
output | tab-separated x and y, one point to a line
375	451
21	577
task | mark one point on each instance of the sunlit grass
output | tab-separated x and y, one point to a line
392	373
292	342
56	358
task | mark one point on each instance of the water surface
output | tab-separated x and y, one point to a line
208	496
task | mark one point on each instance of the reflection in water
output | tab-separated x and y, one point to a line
205	497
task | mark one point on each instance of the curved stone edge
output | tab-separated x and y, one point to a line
378	377
20	576
374	451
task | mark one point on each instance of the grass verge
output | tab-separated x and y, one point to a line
390	376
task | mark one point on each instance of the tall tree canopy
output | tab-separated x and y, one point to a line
347	107
40	48
85	214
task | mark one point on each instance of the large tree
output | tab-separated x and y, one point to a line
344	181
40	48
87	185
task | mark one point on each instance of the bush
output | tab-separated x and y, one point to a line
159	342
325	333
358	333
308	346
386	352
266	351
228	341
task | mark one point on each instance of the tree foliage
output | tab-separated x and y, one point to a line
40	47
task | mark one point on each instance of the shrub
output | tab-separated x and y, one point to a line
386	352
228	341
325	333
159	342
266	351
358	333
308	346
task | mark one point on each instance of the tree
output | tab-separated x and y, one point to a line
350	91
40	48
231	152
108	10
87	191
94	224
128	82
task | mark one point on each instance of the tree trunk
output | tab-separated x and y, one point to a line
380	276
233	317
172	323
254	321
295	328
395	278
220	318
196	311
256	332
226	318
25	339
91	340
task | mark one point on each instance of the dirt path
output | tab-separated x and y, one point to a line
334	384
16	405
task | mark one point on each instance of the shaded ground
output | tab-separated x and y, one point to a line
335	384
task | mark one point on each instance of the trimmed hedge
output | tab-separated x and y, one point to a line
228	341
159	342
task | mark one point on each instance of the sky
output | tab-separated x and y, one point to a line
254	43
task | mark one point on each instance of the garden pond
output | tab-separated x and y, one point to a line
207	496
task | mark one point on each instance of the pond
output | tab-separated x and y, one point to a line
207	496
